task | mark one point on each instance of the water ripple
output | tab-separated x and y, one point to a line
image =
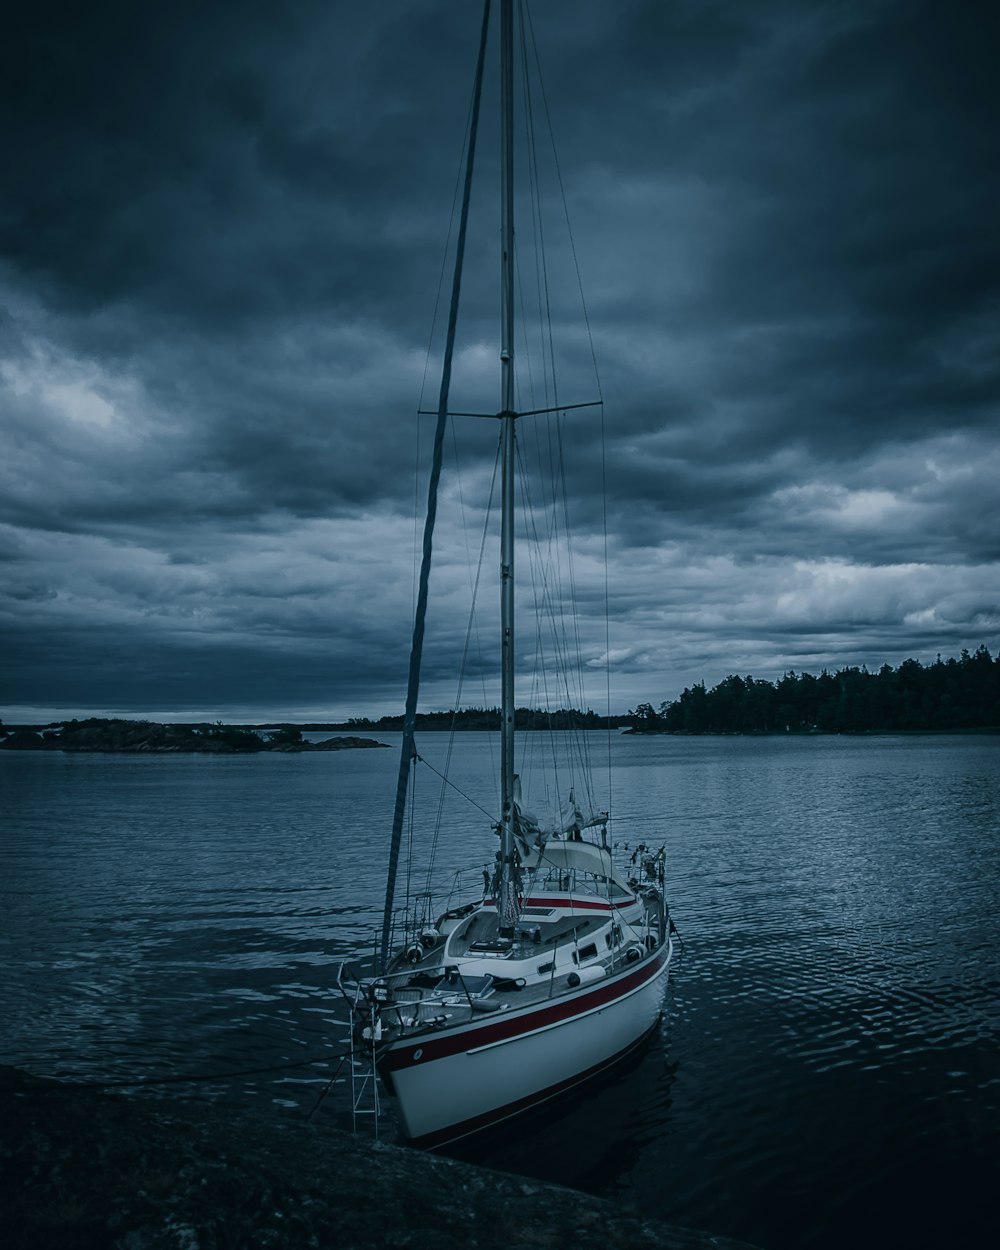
830	1041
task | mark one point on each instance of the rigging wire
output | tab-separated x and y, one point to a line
470	630
541	673
546	336
447	246
410	844
576	694
458	790
607	607
473	577
545	585
527	25
329	1085
526	18
467	136
430	342
540	670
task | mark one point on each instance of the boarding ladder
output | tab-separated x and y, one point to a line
365	1098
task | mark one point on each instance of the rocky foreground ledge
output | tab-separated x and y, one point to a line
86	1170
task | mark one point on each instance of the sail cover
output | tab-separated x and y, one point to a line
567	821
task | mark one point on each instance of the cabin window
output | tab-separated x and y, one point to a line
585	952
545	967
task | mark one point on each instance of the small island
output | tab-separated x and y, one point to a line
151	737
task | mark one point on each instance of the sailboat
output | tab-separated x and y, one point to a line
555	969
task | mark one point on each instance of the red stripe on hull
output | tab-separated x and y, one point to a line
570	904
402	1055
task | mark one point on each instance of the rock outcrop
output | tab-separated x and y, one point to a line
86	1170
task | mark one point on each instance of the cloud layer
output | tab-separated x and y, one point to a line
221	238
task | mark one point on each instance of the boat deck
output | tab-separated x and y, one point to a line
436	999
439	993
534	936
470	970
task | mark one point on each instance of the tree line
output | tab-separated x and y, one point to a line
961	693
489	718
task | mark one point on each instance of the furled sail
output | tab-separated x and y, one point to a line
568	821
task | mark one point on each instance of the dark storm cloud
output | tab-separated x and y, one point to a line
221	236
219	162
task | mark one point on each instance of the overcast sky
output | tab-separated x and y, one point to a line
221	236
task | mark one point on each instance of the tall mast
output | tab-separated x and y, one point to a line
407	752
507	896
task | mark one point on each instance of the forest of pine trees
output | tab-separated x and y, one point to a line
949	694
488	718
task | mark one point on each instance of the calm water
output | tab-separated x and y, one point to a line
827	1070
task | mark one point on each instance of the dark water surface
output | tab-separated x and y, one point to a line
827	1071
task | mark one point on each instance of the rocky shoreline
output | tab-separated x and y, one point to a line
88	1170
149	737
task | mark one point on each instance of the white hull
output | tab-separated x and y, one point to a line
453	1082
